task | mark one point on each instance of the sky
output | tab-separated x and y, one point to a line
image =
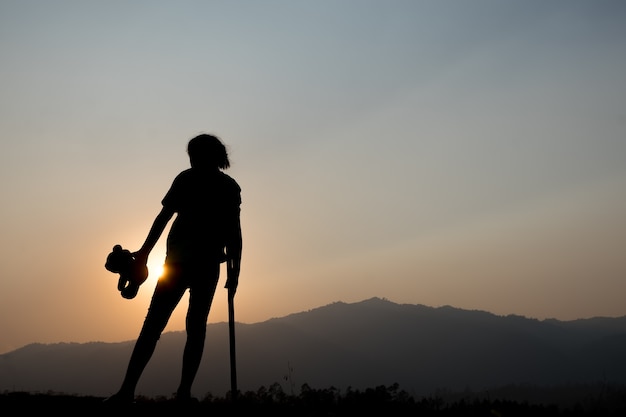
432	152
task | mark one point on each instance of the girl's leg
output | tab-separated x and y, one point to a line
167	294
200	298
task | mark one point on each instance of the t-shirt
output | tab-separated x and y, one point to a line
207	204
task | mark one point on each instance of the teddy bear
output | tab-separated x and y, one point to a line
132	273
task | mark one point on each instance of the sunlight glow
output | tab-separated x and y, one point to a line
155	269
156	262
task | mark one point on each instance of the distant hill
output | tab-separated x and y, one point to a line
358	345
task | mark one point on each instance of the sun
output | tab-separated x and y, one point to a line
156	262
155	268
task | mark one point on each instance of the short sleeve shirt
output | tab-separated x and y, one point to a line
207	205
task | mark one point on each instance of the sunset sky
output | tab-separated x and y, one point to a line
464	153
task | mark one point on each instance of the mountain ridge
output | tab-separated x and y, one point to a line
367	343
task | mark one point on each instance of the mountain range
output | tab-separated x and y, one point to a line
347	346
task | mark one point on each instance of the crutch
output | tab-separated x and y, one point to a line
231	334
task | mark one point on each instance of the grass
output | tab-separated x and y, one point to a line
385	401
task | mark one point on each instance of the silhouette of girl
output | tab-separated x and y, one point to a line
205	233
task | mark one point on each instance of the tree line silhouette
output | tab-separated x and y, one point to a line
389	400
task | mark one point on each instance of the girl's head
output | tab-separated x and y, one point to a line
207	151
